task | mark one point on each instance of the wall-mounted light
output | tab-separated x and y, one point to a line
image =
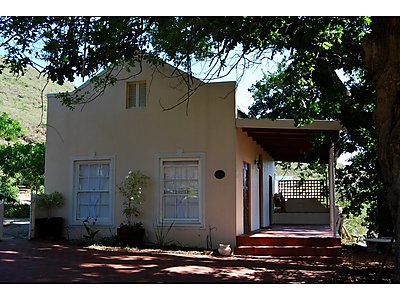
258	163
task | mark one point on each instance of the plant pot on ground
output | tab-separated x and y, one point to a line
132	233
49	227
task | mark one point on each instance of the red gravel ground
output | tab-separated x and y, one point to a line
24	261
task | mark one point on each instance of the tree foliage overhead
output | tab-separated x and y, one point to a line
85	46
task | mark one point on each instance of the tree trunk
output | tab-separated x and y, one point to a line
382	61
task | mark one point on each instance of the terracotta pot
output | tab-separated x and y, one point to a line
224	249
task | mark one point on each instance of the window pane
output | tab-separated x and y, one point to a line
83	170
83	198
169	207
104	198
142	94
83	212
94	184
169	187
181	211
83	184
132	95
104	184
193	207
102	211
169	173
94	170
104	170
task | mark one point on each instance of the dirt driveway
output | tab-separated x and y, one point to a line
24	261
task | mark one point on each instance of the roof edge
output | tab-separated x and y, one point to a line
288	124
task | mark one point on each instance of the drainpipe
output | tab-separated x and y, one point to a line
332	201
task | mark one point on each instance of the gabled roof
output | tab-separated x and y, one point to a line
166	66
286	142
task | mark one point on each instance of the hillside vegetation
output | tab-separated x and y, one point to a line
21	97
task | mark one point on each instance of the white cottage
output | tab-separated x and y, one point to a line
201	145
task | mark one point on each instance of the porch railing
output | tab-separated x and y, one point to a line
306	189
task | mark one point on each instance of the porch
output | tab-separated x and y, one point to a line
290	240
310	202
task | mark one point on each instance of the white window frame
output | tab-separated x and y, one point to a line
109	220
137	103
185	223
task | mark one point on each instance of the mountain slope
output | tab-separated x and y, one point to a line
22	99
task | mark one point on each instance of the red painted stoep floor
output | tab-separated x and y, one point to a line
293	231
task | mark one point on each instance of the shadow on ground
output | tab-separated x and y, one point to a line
34	261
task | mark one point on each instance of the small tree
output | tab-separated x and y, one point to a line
131	189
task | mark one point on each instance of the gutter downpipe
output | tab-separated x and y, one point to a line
332	200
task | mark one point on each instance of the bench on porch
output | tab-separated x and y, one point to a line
301	211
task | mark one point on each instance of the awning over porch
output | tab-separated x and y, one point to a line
286	142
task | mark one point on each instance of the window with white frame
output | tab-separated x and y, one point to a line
136	94
181	199
92	191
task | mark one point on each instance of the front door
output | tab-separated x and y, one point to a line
246	197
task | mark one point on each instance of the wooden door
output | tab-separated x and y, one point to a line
246	197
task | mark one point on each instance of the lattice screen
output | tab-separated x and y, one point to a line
315	189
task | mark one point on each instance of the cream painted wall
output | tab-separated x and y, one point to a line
135	139
248	151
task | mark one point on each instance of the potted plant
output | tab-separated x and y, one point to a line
49	227
132	233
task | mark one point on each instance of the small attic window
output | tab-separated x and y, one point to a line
136	94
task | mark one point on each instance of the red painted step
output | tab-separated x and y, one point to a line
332	251
288	246
314	241
287	241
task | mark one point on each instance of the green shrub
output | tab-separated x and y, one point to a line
16	210
8	189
